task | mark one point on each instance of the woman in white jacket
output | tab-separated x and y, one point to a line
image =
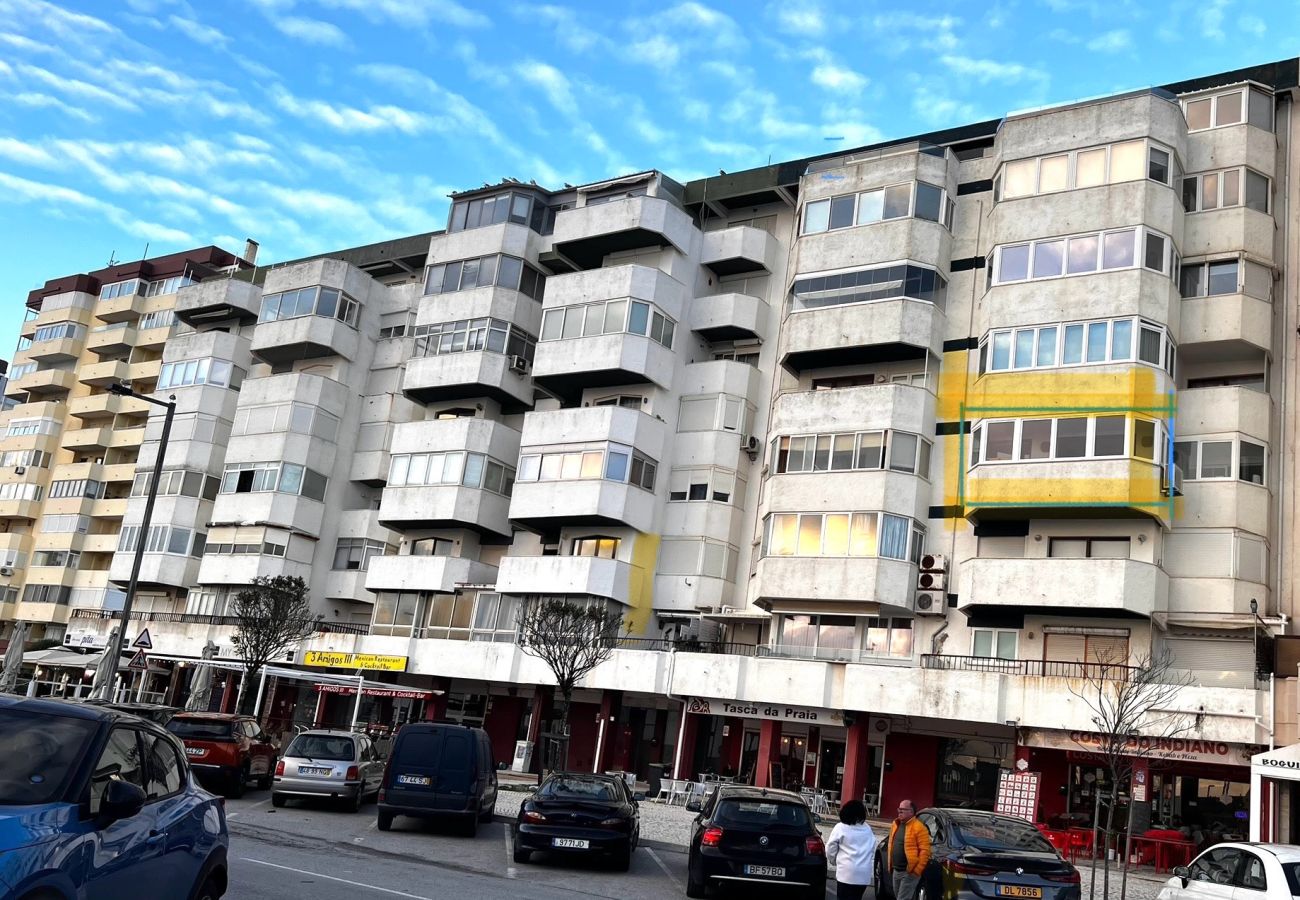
852	851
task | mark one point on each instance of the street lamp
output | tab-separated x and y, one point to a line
114	649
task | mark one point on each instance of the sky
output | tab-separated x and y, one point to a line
312	125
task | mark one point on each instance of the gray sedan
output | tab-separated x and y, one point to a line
332	765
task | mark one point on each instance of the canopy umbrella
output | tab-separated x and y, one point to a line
14	658
105	672
201	685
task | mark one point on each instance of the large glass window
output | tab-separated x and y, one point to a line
1023	440
466	274
1209	459
515	207
849	451
877	205
618	462
1224	188
607	317
865	285
1083	254
286	478
474	335
474	470
1126	161
1210	279
58	331
329	303
356	553
1230	108
200	371
841	534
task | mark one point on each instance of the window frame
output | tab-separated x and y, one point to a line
812	208
1138	244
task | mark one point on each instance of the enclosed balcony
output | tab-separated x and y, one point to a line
1218	410
861	334
304	337
587	234
866	586
441	574
1114	488
1227	503
739	250
568	367
156	569
459	376
217	299
729	317
1063	587
870	407
580	575
226	569
1230	324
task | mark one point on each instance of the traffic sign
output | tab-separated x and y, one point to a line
139	661
143	640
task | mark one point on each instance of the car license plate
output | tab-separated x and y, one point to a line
314	770
570	843
195	751
766	871
415	779
1019	890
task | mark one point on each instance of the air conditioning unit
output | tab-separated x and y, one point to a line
934	562
932	581
931	603
20	470
6	570
752	444
1175	482
519	365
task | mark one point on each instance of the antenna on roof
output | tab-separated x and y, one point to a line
112	259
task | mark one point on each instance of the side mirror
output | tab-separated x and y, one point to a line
694	805
121	800
1183	874
638	797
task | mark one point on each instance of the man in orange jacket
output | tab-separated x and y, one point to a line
908	848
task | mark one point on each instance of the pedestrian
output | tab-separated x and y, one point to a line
908	851
852	851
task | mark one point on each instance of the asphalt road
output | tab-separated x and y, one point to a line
317	852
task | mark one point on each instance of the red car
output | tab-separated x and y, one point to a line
226	749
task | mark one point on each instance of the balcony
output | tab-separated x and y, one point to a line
217	299
127	437
441	574
547	505
445	506
1120	292
903	407
1215	326
154	339
109	508
226	569
1234	229
730	317
87	439
740	249
99	543
1124	488
43	382
146	371
1215	410
1048	586
1104	206
306	337
62	350
289	511
113	341
568	367
587	234
895	492
119	472
861	333
126	308
156	569
865	586
99	407
1225	504
616	283
580	575
48	613
105	373
20	509
459	376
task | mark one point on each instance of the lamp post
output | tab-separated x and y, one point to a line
105	691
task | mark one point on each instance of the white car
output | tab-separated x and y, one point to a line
1238	872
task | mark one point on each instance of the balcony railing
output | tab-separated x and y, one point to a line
1043	668
688	645
204	619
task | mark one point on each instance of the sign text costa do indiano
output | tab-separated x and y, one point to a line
370	661
1179	748
781	712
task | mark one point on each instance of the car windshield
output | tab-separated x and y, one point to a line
988	832
1292	872
38	753
322	746
569	788
760	813
200	728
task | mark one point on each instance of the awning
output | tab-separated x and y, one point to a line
1282	764
737	616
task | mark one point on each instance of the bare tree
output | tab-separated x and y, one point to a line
272	615
572	639
1133	710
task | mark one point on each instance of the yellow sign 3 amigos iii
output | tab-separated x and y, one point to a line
331	660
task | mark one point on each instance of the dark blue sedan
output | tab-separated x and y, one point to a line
99	803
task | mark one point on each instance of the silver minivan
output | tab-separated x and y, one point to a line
331	765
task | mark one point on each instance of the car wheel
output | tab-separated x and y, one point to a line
623	859
695	887
238	782
522	854
353	804
485	815
385	821
208	891
279	800
470	826
265	781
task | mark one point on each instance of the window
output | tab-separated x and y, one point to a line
697	556
1211	459
616	461
494	617
1227	109
23	491
879	204
472	336
1251	462
1217	866
160	539
432	547
714	412
473	470
608	317
1126	161
200	371
60	559
47	593
839	534
36	458
287	478
162	318
1251	875
504	271
300	418
22	427
356	553
395	613
850	451
1241	186
1075	343
702	484
1083	254
991	643
121	289
325	302
449	617
1088	548
600	547
120	760
514	207
64	524
59	331
866	285
1023	440
178	482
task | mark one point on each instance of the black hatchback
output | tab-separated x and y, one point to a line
988	856
581	814
752	836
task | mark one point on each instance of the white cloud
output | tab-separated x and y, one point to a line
75	87
37	100
198	32
1211	19
22	190
383	117
1253	25
552	83
568	29
311	31
1115	41
838	78
28	154
940	110
987	70
656	50
419	13
803	18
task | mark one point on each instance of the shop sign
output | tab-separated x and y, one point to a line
778	711
1284	762
330	660
393	693
1169	749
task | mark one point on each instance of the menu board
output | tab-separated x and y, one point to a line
1018	794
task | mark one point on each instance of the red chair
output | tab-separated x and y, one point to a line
1080	843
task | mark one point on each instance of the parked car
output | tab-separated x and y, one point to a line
154	712
335	765
748	834
97	803
1238	870
439	771
225	749
577	813
983	854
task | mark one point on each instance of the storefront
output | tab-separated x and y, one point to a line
1202	786
1275	795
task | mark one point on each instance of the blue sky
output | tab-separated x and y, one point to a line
319	124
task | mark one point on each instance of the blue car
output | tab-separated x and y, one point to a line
98	803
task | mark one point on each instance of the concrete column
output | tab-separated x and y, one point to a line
685	750
435	707
228	695
609	706
769	751
857	760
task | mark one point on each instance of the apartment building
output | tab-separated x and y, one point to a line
879	454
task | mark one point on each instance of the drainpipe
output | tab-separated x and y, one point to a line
681	727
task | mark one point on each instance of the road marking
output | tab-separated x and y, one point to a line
511	871
660	863
369	887
245	809
373	825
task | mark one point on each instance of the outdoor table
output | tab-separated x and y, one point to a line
1165	853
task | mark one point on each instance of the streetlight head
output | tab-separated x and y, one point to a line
1254	606
121	389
